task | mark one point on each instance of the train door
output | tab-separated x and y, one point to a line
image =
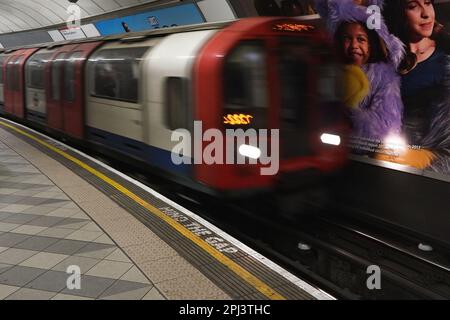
2	97
15	82
66	81
35	93
54	78
73	87
11	84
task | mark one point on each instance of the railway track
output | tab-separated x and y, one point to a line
337	255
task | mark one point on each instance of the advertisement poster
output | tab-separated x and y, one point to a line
162	18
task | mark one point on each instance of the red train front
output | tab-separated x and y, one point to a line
280	78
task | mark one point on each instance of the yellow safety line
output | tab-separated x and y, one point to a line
241	272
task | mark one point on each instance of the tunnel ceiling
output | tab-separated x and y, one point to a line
19	15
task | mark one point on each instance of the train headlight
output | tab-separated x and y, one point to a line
250	151
331	139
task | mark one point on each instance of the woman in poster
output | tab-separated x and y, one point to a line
425	85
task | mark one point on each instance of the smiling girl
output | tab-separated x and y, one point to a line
376	54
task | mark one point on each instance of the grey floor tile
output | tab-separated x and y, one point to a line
135	275
15	208
6	227
31	294
33	201
6	291
68	247
63	213
39	210
71	223
71	205
12	239
44	260
154	294
11	199
118	255
19	276
27	229
96	250
46	221
126	290
20	218
105	239
61	296
91	287
56	232
5	267
55	203
53	281
37	243
7	191
82	235
91	226
84	263
15	256
81	215
110	269
4	215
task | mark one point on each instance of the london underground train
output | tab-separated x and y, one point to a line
152	96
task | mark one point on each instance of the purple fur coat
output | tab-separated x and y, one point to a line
380	113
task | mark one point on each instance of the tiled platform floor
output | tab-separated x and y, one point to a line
42	232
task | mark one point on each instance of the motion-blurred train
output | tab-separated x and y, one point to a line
127	94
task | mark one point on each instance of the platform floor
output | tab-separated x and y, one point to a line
60	209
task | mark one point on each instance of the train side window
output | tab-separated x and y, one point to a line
35	70
57	65
115	74
245	85
294	71
70	76
177	107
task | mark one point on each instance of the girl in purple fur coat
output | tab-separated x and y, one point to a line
379	115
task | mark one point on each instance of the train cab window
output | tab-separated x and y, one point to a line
296	94
177	116
115	73
35	70
295	99
245	91
57	65
70	76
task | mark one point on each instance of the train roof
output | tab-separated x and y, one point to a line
131	36
142	35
